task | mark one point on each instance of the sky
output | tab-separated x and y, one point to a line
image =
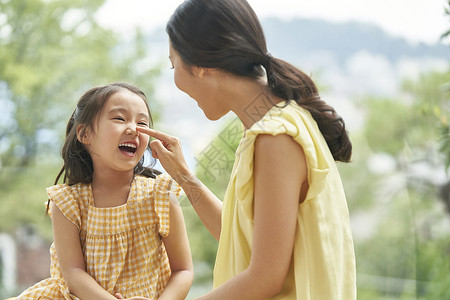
416	20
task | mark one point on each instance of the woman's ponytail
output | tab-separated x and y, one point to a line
290	83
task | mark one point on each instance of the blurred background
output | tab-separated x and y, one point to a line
384	66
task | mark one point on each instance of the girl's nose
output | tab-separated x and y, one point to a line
131	130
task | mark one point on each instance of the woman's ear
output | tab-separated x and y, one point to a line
203	72
83	134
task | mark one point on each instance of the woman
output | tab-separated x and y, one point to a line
284	230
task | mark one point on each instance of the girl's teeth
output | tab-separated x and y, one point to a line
127	145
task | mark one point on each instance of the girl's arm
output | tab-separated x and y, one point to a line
280	172
70	257
207	206
179	253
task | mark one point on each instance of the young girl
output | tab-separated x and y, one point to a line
284	230
118	231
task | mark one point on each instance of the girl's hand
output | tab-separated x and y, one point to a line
168	150
119	296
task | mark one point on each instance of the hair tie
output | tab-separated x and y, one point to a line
271	80
268	59
76	113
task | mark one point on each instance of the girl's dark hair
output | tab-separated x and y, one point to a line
78	167
227	34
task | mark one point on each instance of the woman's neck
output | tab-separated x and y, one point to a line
249	99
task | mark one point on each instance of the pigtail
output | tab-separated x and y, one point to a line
149	172
290	83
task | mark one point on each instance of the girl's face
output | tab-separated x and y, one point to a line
114	143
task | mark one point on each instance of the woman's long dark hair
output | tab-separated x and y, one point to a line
78	166
227	34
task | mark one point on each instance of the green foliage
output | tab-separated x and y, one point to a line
431	98
416	121
216	160
203	245
392	117
447	12
408	254
445	143
433	269
23	200
1	277
50	53
359	183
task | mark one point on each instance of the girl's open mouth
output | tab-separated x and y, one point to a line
128	148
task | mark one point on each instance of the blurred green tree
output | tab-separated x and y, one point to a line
445	115
408	253
51	52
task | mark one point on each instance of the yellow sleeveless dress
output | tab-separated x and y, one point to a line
122	246
323	259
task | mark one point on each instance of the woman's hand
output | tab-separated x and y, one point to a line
168	150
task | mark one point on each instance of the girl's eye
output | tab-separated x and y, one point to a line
142	124
119	118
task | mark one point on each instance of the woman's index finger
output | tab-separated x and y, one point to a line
153	133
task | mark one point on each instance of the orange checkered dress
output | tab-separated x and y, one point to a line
122	246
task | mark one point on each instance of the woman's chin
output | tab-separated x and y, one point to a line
212	117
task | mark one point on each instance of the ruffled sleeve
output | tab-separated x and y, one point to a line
166	190
63	196
294	121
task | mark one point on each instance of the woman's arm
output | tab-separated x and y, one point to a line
280	172
179	253
207	206
68	250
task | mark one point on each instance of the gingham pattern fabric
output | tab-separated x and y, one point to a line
122	246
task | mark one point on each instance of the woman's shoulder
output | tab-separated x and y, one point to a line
284	117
